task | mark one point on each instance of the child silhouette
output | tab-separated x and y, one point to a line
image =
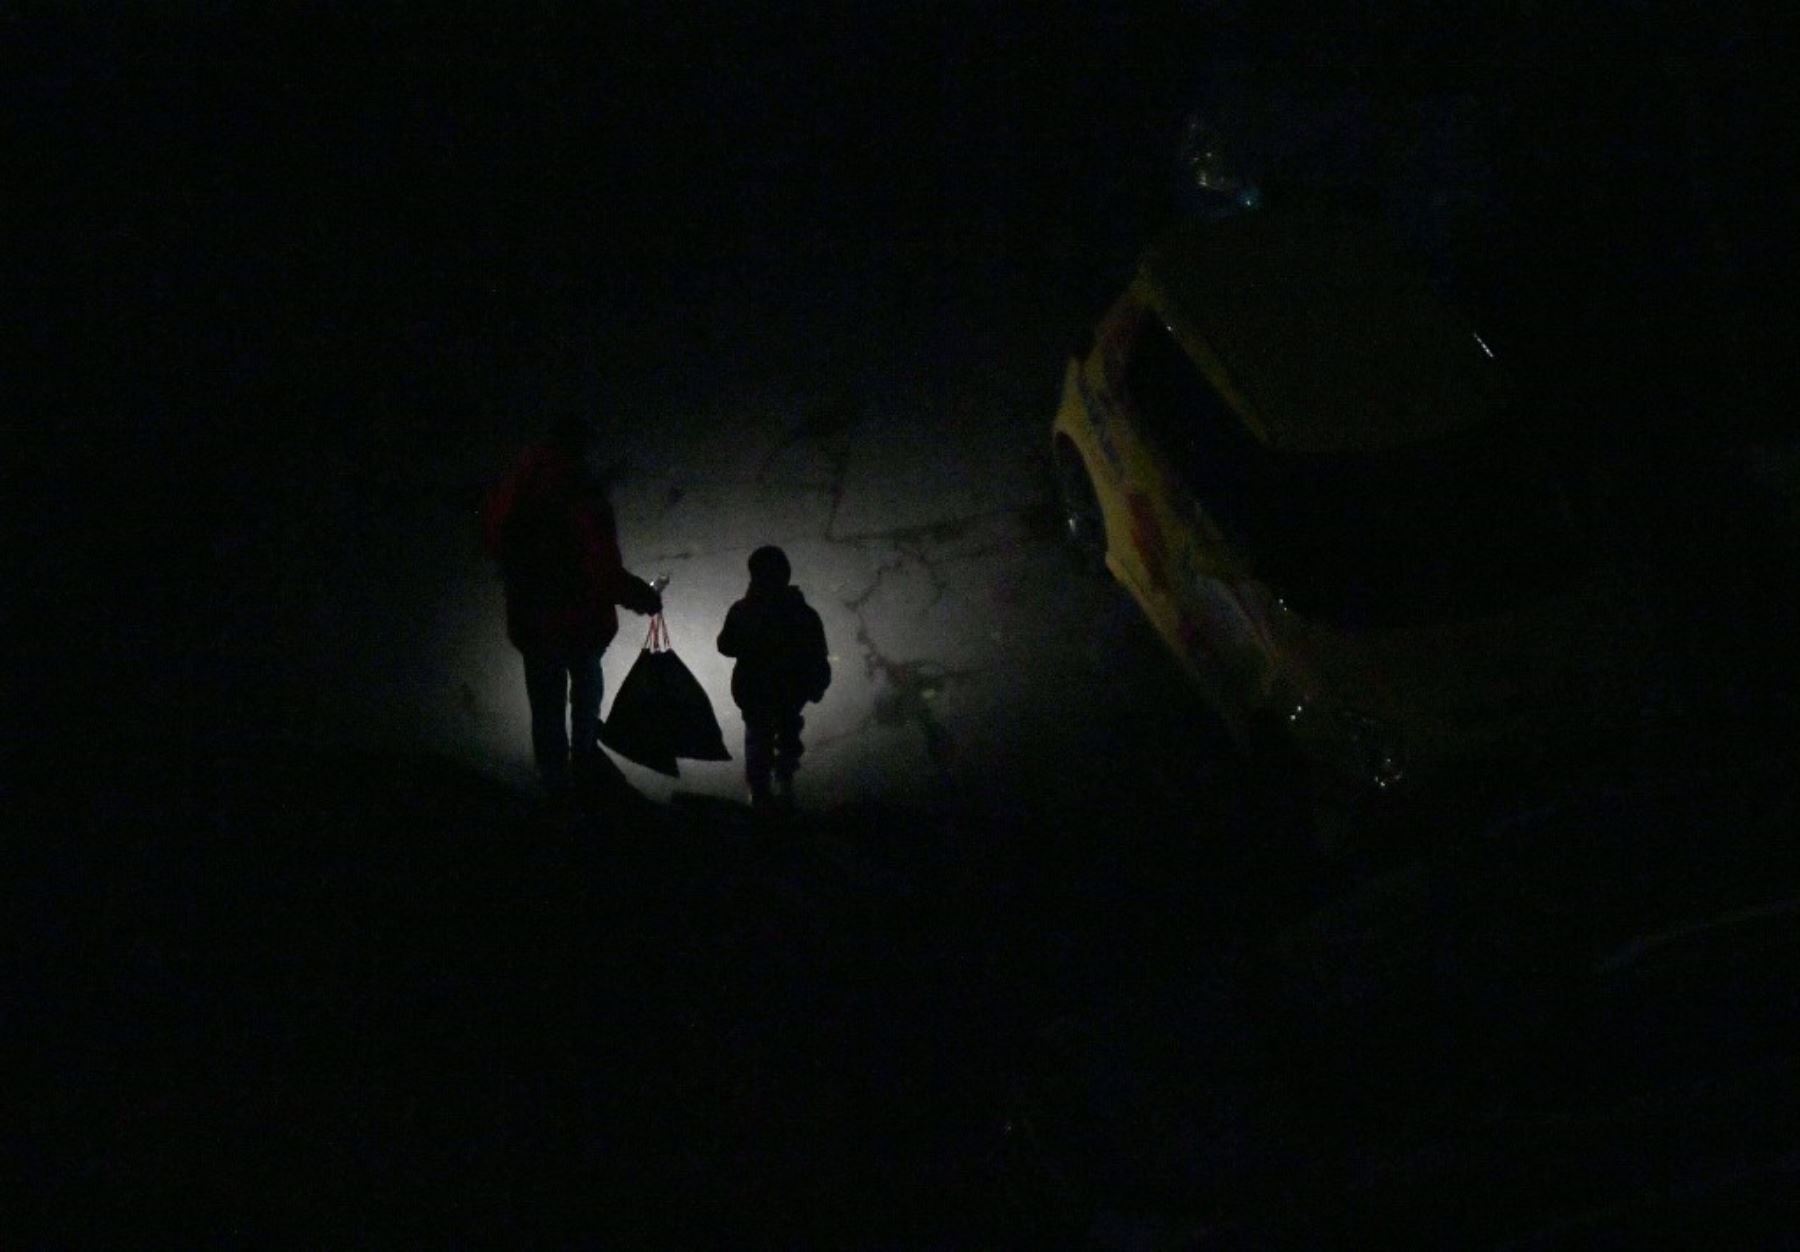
782	666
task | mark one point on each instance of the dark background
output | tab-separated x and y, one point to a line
276	988
218	199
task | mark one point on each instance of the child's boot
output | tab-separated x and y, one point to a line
761	799
783	794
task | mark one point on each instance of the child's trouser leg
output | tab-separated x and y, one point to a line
788	725
759	743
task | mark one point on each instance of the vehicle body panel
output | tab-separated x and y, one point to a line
1520	679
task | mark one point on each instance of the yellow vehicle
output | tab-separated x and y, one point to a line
1317	483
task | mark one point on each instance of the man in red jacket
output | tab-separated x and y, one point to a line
551	526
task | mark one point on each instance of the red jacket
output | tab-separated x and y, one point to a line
553	532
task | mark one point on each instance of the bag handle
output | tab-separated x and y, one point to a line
658	638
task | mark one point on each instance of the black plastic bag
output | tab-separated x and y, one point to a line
662	712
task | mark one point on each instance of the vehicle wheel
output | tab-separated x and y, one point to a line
1082	523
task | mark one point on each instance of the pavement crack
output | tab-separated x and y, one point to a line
855	603
829	424
940	533
907	689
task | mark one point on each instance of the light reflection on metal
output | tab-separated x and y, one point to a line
1483	343
1375	741
1388	772
1361	746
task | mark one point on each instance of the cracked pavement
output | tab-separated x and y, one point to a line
868	385
919	525
973	666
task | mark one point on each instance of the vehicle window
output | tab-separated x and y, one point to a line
1202	441
1449	526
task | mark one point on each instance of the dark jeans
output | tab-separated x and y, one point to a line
565	694
772	741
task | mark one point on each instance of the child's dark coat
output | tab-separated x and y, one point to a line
779	643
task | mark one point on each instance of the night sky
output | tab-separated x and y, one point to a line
1041	964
